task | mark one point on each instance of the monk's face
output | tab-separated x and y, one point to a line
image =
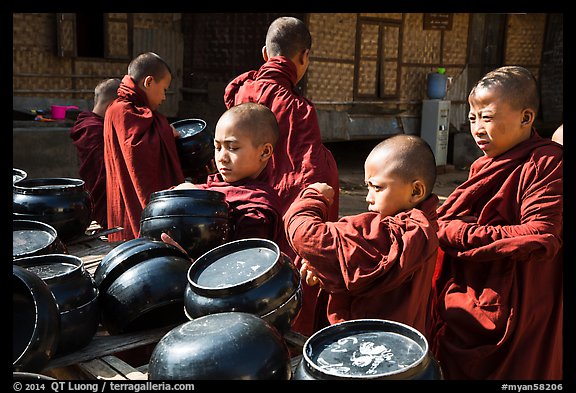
236	156
388	194
155	90
495	125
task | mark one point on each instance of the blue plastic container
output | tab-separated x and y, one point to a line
437	86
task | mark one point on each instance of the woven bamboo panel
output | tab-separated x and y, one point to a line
524	37
328	81
96	72
367	77
333	35
164	21
391	40
369	41
456	40
117	37
419	46
394	16
33	31
40	63
101	69
390	76
413	83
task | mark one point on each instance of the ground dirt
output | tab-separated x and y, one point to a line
350	157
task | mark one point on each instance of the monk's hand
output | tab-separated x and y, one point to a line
168	240
309	276
185	186
175	131
325	190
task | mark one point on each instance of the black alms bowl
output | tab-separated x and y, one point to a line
223	346
63	203
76	296
35	319
367	349
31	238
141	286
195	145
198	220
247	275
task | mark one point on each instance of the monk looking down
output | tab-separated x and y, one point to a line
139	144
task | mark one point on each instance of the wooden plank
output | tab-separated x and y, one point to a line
99	369
124	368
107	345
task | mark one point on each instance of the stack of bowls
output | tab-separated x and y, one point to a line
247	275
224	346
141	286
75	293
63	203
198	220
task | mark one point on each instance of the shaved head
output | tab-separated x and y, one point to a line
407	156
255	119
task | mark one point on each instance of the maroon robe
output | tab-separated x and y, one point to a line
497	290
87	136
140	156
372	267
254	208
299	157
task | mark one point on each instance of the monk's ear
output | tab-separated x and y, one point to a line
265	53
147	82
267	151
418	192
528	117
304	56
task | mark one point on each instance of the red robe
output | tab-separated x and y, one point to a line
299	157
497	292
254	208
140	157
87	136
372	267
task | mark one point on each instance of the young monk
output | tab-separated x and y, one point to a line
377	264
300	157
244	142
139	144
497	289
87	135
